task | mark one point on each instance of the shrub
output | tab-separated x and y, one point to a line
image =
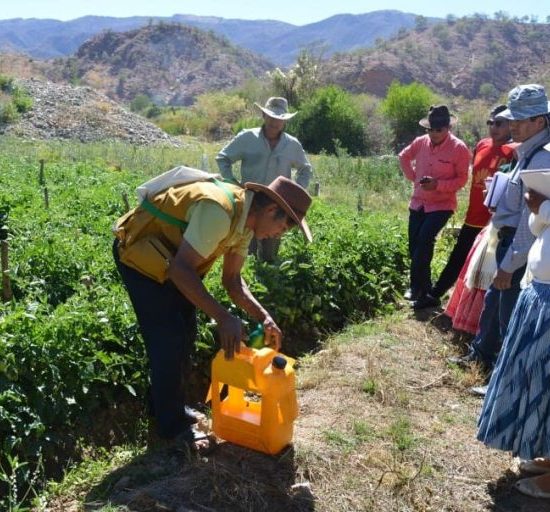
488	91
174	123
328	116
22	101
211	117
8	112
140	103
153	111
219	110
6	83
245	123
379	134
13	101
405	105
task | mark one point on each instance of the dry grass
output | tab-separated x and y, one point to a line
385	425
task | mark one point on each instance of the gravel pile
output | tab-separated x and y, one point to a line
83	114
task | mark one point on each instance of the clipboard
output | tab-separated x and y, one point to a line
497	188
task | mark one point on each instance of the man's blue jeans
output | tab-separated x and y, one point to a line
497	310
423	228
168	324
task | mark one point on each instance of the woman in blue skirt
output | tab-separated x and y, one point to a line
516	412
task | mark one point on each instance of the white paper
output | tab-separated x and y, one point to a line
498	186
537	180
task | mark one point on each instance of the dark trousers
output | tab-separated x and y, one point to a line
497	310
168	324
457	258
423	229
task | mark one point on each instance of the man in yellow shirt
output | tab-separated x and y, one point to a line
198	223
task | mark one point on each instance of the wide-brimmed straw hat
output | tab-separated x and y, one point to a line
525	101
290	196
277	108
438	117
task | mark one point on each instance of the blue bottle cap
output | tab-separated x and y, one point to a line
279	362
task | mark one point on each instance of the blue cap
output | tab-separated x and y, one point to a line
525	101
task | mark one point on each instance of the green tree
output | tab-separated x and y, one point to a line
330	120
405	105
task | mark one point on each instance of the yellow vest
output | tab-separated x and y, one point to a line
148	243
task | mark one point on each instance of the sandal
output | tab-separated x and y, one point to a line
192	416
537	466
189	439
531	487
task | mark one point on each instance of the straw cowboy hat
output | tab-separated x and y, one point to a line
277	108
438	117
290	196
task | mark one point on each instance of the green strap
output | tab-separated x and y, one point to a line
166	217
228	193
174	221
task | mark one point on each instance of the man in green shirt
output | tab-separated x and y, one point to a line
266	153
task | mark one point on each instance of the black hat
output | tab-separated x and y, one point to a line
496	111
438	117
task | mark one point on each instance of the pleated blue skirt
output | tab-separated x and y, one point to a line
515	415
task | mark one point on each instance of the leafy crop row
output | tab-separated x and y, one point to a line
69	346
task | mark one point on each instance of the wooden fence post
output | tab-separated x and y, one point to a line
41	178
126	203
360	207
317	189
7	293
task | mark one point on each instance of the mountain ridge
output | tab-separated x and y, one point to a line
278	41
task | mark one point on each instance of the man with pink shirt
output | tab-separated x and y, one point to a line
437	163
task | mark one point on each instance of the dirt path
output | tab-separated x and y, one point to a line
385	425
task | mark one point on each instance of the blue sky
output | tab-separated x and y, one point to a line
297	12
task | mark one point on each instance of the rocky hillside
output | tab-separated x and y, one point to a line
170	63
22	66
83	114
472	57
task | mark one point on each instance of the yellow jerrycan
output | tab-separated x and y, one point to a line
254	399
